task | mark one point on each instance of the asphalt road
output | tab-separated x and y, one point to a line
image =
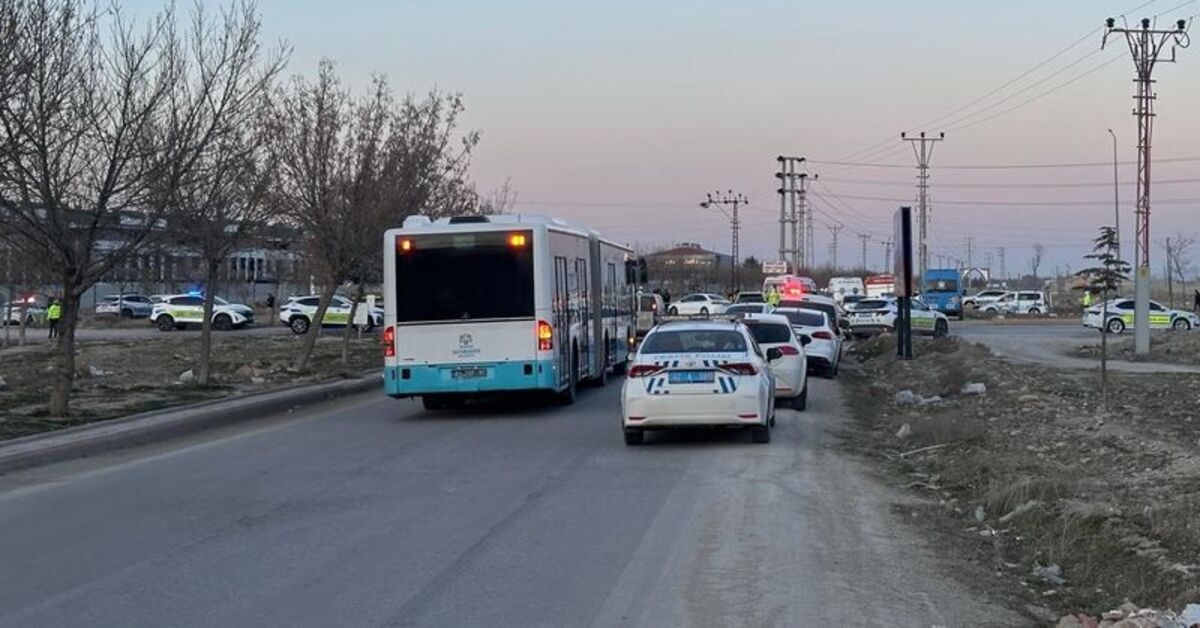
1047	343
371	512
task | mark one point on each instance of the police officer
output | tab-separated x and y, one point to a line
1087	299
773	297
53	315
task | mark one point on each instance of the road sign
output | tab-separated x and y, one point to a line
779	267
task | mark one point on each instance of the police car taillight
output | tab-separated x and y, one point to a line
823	335
545	336
789	350
389	342
645	370
739	368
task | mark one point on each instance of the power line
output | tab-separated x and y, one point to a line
1080	164
893	199
1028	185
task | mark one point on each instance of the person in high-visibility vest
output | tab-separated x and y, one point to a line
53	315
1087	299
773	297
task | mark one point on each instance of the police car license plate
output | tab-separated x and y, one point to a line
690	377
471	373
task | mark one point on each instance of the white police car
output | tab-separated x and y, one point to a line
299	311
1121	316
699	373
180	310
874	316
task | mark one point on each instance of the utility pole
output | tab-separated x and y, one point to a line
720	201
795	220
923	149
1170	282
834	230
887	255
989	266
970	246
865	237
1116	194
1145	45
810	243
1003	268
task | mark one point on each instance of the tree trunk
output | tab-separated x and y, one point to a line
64	377
24	316
7	318
1104	350
210	277
350	326
310	338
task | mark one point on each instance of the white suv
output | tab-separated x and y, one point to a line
299	312
1020	302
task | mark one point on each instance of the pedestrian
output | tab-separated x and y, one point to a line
773	297
271	301
53	314
1087	299
1196	301
666	295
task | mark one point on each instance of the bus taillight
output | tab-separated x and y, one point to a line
545	336
389	342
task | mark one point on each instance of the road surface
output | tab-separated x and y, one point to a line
1048	343
371	512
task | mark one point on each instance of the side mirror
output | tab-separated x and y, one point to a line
805	341
773	354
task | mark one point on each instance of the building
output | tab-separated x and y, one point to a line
689	267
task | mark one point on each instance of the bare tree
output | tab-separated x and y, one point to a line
1179	255
221	205
351	167
100	123
1035	262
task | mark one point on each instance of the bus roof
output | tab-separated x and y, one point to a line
497	222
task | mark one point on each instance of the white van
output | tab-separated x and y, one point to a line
841	287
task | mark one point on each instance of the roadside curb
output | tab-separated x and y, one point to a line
159	425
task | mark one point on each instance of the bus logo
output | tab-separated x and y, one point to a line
465	341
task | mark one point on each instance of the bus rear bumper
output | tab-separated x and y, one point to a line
486	377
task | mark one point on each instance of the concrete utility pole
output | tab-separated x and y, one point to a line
1145	45
969	244
834	230
1003	269
887	255
810	244
720	201
1116	195
865	237
923	149
795	220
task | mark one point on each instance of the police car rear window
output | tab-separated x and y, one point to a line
695	341
804	319
770	333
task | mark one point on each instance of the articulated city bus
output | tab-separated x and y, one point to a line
477	305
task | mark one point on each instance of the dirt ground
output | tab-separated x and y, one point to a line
1083	506
1165	346
117	378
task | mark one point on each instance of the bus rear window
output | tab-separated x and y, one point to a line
464	276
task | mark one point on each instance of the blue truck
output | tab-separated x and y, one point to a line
942	290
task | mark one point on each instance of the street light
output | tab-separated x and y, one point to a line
1116	195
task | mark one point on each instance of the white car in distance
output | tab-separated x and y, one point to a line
824	349
699	303
774	331
699	373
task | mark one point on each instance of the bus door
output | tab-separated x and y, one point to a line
586	329
562	318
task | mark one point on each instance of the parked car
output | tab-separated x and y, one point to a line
1020	302
181	310
750	297
740	309
125	306
299	311
820	302
982	298
773	331
30	316
824	346
876	316
1121	317
698	304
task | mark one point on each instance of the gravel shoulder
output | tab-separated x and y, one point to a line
1079	504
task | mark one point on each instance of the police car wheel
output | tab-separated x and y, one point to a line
165	323
1035	311
1116	326
634	436
1181	324
223	323
299	325
673	311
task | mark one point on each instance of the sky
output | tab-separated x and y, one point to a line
622	114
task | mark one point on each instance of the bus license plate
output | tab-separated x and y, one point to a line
690	377
473	373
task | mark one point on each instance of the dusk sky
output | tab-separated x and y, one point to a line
622	114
